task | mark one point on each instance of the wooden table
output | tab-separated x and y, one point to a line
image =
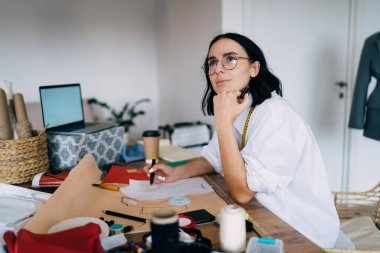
265	222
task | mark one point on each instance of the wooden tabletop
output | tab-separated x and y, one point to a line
265	223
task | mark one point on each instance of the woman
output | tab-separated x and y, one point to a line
261	145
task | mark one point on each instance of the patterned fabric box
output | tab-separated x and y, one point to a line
65	151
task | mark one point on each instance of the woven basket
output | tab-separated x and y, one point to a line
21	159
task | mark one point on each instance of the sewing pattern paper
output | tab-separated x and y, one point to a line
142	190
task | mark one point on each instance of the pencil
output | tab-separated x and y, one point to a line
125	216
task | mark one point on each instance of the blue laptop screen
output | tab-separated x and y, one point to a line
61	105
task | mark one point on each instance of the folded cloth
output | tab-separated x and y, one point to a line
75	240
132	154
362	232
15	208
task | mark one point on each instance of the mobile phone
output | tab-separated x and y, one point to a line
243	92
200	216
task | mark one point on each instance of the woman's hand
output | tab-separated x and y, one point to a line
227	107
163	173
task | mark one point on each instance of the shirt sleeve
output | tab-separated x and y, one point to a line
271	155
211	153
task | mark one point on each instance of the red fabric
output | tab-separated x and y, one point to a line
122	175
75	240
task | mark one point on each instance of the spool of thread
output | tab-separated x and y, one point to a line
164	228
185	221
6	131
116	229
232	235
24	129
23	126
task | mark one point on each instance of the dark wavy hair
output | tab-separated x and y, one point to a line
260	86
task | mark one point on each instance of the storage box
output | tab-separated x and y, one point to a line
65	151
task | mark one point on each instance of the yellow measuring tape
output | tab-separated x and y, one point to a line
242	143
260	231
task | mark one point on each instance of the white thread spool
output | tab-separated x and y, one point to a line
232	233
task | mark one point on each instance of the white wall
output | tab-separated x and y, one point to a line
232	16
308	57
286	32
118	50
124	50
184	31
109	46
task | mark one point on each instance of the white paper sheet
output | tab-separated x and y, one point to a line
17	204
142	190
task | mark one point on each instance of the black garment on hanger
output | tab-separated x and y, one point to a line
365	114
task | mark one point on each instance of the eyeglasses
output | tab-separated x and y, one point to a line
229	62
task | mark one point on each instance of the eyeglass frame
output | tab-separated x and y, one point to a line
206	67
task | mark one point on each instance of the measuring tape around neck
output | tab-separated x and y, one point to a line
242	143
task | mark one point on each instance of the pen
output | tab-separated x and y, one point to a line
243	92
125	216
110	187
151	177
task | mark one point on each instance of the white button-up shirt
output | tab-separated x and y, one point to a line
285	168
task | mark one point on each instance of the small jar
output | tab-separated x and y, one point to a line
232	234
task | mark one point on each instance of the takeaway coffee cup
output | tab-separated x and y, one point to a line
151	140
164	228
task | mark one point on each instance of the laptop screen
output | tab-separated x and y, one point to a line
61	105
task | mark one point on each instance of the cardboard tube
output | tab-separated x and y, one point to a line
23	126
19	105
6	131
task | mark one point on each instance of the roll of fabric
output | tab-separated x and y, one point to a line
6	131
23	126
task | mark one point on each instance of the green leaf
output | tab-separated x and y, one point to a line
125	117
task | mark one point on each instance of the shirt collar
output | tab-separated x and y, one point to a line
240	120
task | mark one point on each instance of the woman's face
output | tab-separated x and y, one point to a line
230	80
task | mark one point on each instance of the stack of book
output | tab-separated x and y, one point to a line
49	179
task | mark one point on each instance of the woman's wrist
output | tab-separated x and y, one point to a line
182	172
177	173
223	126
224	129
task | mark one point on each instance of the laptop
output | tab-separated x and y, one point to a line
62	110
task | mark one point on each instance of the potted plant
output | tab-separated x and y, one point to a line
125	117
